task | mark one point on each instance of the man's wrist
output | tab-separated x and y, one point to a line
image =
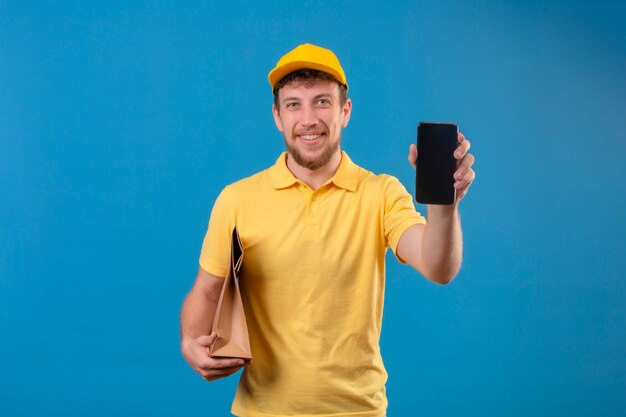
442	211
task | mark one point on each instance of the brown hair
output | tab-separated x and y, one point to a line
308	77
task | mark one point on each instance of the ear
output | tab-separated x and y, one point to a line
277	119
346	112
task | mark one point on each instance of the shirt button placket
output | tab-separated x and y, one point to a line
314	207
312	220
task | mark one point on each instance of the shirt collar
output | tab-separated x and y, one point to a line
280	176
347	175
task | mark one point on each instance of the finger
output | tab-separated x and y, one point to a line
224	371
464	175
219	363
413	155
465	180
229	370
462	192
460	195
207	340
465	165
462	149
212	375
460	137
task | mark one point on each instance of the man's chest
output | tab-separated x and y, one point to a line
308	231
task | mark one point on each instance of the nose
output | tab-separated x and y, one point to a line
309	117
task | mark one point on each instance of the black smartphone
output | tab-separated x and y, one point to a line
434	176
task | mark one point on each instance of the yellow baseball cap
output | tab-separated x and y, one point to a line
308	56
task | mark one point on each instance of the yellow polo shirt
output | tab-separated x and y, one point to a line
312	284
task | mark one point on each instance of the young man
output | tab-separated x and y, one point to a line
315	228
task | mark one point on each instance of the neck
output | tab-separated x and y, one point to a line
314	178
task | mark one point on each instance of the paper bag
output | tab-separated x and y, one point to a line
230	321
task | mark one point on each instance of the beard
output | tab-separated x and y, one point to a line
313	164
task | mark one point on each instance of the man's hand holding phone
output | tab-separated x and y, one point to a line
433	189
464	175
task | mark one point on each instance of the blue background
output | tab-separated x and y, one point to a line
120	123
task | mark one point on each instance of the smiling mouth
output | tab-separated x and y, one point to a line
311	137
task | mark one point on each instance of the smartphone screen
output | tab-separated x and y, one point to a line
434	181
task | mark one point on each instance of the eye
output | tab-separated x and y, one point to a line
323	102
291	105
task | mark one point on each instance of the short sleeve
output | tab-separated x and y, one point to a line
215	253
399	213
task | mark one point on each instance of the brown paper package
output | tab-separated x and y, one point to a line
230	320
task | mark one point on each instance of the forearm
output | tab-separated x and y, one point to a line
197	313
442	245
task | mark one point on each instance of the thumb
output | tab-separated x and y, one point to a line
207	340
412	155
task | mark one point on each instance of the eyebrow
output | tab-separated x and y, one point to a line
324	95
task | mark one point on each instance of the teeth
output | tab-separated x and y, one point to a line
310	137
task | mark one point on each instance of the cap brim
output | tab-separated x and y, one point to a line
279	73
